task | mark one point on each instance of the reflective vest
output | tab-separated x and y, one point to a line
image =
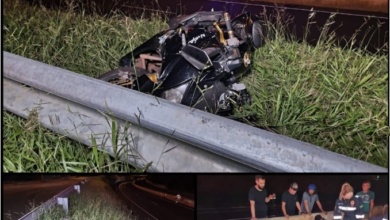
349	209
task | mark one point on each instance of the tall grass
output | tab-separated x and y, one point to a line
329	96
92	205
87	44
326	95
28	147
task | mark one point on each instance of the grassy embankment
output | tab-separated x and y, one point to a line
96	201
332	97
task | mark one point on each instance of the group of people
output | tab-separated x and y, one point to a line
347	206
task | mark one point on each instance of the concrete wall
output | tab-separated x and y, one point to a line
378	211
329	216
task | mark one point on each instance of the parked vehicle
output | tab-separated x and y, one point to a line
196	62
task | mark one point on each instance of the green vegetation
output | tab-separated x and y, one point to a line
28	147
92	205
61	39
325	95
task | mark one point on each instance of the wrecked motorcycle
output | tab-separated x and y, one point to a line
196	62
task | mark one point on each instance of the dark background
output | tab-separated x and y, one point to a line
181	182
373	34
229	191
185	182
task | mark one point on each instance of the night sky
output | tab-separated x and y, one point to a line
379	37
185	182
30	177
223	191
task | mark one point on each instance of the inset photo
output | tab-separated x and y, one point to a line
99	197
292	197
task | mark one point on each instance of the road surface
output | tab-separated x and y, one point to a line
152	207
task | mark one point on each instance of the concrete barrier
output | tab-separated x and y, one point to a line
328	216
183	200
380	210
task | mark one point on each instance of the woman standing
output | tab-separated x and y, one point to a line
348	206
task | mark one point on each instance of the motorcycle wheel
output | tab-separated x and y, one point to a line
257	35
213	99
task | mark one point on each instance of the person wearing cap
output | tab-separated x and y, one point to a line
258	198
308	198
348	206
290	201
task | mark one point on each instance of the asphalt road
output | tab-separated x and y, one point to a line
18	198
151	207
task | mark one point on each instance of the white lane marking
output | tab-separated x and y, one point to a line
120	187
154	203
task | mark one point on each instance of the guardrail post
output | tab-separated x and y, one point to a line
59	199
77	188
64	202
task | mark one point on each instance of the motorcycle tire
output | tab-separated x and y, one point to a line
209	100
257	35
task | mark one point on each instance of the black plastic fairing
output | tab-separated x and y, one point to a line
177	72
197	57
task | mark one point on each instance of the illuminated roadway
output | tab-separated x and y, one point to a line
153	207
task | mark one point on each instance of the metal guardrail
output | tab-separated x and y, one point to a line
79	123
60	199
174	137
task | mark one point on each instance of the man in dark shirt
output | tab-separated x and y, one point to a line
258	198
290	201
